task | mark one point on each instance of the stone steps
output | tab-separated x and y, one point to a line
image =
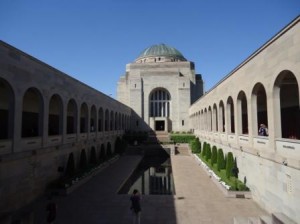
280	218
159	136
275	218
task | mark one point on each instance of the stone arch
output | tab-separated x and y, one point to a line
7	101
123	122
71	117
242	115
111	121
222	116
93	118
202	120
286	97
205	120
120	121
32	113
84	114
209	119
215	117
230	116
159	103
116	121
102	153
106	122
55	116
259	106
100	120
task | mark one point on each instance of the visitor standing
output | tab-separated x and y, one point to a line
263	130
136	206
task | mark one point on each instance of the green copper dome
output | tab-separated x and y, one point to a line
161	50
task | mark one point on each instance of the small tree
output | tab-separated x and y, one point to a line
235	169
229	164
220	160
208	152
192	145
195	145
204	150
198	145
214	155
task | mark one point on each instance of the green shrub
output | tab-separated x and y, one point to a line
233	182
214	155
229	164
220	160
195	146
178	138
208	152
242	187
203	154
235	169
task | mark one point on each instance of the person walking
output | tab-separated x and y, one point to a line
136	206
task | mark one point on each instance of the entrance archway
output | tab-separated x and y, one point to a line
159	109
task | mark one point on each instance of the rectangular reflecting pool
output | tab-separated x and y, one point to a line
153	176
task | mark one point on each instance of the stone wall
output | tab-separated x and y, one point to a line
29	164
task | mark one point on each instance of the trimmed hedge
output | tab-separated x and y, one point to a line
182	138
195	146
235	169
220	160
204	149
224	166
214	155
208	152
229	164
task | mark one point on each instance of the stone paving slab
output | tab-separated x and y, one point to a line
203	202
197	199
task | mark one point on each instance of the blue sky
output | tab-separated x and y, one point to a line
93	40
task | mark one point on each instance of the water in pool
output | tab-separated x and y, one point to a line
152	176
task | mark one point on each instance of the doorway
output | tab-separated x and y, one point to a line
159	125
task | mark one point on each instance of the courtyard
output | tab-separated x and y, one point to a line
197	199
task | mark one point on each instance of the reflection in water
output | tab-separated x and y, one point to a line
152	176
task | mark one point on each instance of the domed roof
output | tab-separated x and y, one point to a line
161	50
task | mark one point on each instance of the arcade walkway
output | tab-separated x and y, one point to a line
197	199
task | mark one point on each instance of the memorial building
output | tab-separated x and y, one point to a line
49	120
160	85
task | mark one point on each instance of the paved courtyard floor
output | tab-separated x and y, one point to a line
197	199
